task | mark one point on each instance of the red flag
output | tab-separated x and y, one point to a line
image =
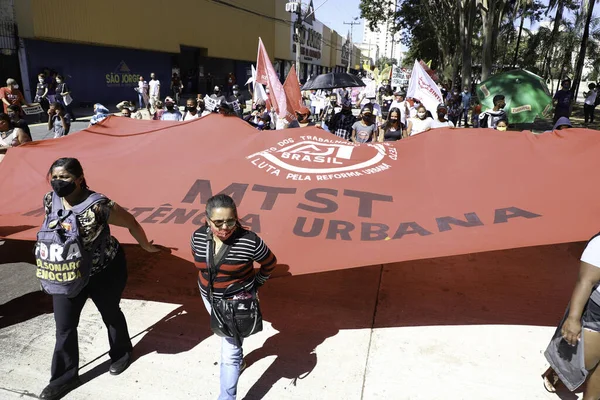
293	94
265	74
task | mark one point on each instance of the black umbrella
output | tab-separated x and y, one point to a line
333	80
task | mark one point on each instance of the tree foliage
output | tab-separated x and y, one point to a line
477	38
383	61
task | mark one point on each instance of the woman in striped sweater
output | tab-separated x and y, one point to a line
235	265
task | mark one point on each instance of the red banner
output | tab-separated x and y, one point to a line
322	203
293	94
265	74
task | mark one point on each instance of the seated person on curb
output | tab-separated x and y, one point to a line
172	112
13	113
159	111
10	135
191	110
59	121
128	110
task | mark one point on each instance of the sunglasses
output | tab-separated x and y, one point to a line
230	223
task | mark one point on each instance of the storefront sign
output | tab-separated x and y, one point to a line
311	41
122	77
346	52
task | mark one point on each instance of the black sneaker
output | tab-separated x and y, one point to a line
120	365
58	392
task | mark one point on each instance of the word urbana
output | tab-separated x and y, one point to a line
319	201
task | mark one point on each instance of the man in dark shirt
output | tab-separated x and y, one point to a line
562	101
341	123
238	100
41	95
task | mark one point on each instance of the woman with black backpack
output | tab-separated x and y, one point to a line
103	279
224	253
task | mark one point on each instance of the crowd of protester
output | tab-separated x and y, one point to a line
349	113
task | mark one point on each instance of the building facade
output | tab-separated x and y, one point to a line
322	50
103	50
381	42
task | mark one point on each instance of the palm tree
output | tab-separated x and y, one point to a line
560	8
583	47
524	4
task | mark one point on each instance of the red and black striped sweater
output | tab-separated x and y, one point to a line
238	265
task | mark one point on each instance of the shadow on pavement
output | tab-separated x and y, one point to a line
528	286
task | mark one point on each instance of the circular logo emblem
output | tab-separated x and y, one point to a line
315	158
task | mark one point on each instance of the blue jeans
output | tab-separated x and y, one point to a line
141	101
232	357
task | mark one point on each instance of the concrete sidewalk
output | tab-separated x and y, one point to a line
464	327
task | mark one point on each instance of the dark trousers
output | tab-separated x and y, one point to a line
68	108
105	289
558	113
588	112
464	114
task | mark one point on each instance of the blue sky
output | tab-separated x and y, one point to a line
334	13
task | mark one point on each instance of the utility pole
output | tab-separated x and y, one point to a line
351	23
296	7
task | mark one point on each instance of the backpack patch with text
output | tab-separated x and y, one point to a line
63	264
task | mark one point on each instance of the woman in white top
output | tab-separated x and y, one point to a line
590	103
420	123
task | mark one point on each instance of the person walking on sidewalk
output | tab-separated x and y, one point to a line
589	105
41	94
176	87
154	87
63	95
142	91
225	253
107	281
466	106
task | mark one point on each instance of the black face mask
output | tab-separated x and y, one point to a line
346	111
369	119
170	108
191	109
63	188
